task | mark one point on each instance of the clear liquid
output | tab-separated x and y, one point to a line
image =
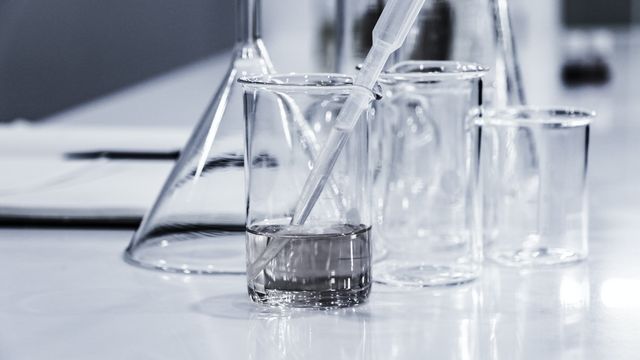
320	266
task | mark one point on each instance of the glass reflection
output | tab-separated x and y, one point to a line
396	324
278	333
539	314
430	323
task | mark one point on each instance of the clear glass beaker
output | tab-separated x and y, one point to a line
426	207
327	261
462	30
533	175
197	222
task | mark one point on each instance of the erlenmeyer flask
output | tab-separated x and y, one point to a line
197	222
461	30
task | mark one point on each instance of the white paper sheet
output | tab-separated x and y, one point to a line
37	181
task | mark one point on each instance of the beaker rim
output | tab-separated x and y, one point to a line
433	71
530	115
308	82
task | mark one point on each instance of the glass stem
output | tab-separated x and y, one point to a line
247	21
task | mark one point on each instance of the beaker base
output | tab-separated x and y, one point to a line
423	275
311	299
538	257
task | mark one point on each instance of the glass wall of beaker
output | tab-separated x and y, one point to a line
326	261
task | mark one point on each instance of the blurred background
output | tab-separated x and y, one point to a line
89	76
57	55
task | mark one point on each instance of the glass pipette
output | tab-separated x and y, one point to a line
390	31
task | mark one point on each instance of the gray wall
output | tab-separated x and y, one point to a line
58	53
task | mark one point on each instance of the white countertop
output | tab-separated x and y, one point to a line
67	294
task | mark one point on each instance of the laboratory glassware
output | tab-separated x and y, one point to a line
426	192
326	261
197	223
534	180
388	35
462	30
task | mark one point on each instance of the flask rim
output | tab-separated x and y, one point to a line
432	71
308	82
529	115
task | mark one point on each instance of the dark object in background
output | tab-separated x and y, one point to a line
364	27
588	64
124	155
585	13
81	222
592	70
56	54
435	38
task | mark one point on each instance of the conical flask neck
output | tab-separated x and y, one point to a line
250	54
247	21
249	46
254	51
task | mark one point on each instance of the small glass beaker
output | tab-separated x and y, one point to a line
533	175
326	261
425	186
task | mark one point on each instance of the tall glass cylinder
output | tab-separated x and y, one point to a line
426	186
325	262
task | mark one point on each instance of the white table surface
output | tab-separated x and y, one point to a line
67	294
